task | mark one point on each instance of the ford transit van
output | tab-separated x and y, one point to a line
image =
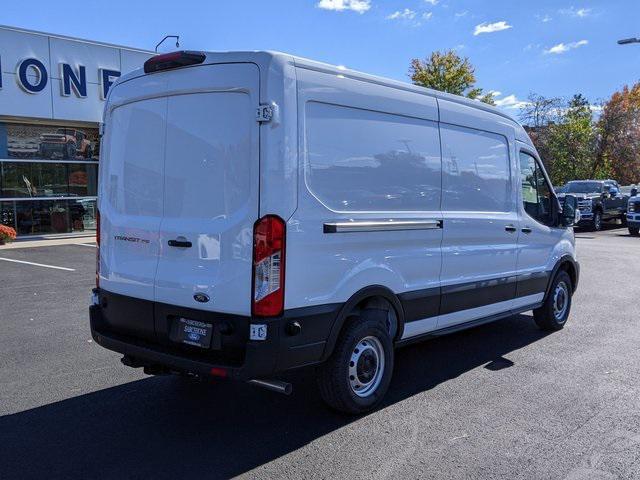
260	212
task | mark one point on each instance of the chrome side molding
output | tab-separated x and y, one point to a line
381	225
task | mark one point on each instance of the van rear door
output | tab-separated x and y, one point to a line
210	183
179	187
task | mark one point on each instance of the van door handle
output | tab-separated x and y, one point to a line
179	243
527	230
510	228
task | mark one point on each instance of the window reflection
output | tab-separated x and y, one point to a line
47	179
476	173
49	216
359	160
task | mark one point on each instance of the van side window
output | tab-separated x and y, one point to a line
475	170
360	160
536	193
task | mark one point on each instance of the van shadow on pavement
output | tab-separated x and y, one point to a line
167	427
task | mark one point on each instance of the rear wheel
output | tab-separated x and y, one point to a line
357	375
634	231
553	314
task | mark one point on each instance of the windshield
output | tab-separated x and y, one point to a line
583	187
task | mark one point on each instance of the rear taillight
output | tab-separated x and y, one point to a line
97	248
268	266
167	61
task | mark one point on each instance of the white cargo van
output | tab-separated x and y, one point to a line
261	212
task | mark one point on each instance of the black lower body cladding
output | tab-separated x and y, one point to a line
141	329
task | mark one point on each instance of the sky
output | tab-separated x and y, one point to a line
550	47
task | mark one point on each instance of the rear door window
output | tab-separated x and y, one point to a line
476	175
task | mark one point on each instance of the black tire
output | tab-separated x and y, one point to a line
634	231
596	223
623	219
553	314
334	379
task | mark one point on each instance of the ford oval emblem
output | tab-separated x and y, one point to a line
201	297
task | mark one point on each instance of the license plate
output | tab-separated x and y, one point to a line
192	332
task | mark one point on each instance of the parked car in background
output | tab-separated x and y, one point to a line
598	201
65	143
633	212
626	190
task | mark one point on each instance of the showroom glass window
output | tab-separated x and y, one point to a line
536	192
48	177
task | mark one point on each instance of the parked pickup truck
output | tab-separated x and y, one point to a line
598	201
633	213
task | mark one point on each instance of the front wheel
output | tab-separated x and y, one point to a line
596	223
357	375
634	231
554	312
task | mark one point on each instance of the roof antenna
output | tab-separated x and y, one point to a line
177	37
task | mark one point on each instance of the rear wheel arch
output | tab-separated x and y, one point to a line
375	297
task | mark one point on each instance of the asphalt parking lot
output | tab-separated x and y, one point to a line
498	401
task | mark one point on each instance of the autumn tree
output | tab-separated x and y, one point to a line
619	135
448	72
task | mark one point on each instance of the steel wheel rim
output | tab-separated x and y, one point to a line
560	301
366	367
598	221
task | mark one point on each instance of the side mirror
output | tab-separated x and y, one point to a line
570	213
634	192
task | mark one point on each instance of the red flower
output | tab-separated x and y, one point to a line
7	233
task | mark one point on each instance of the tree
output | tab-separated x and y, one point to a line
565	135
448	72
538	111
619	135
572	142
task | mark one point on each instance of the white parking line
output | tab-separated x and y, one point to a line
87	245
38	264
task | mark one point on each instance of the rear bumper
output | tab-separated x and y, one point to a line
231	352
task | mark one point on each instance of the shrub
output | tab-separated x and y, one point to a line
7	234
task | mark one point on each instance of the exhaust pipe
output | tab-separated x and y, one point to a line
273	385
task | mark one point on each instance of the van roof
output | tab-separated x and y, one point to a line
268	59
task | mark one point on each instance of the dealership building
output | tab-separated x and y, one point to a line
52	91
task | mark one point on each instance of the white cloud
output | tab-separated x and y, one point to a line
565	47
461	14
432	2
491	27
509	102
405	14
576	12
427	15
544	18
359	6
